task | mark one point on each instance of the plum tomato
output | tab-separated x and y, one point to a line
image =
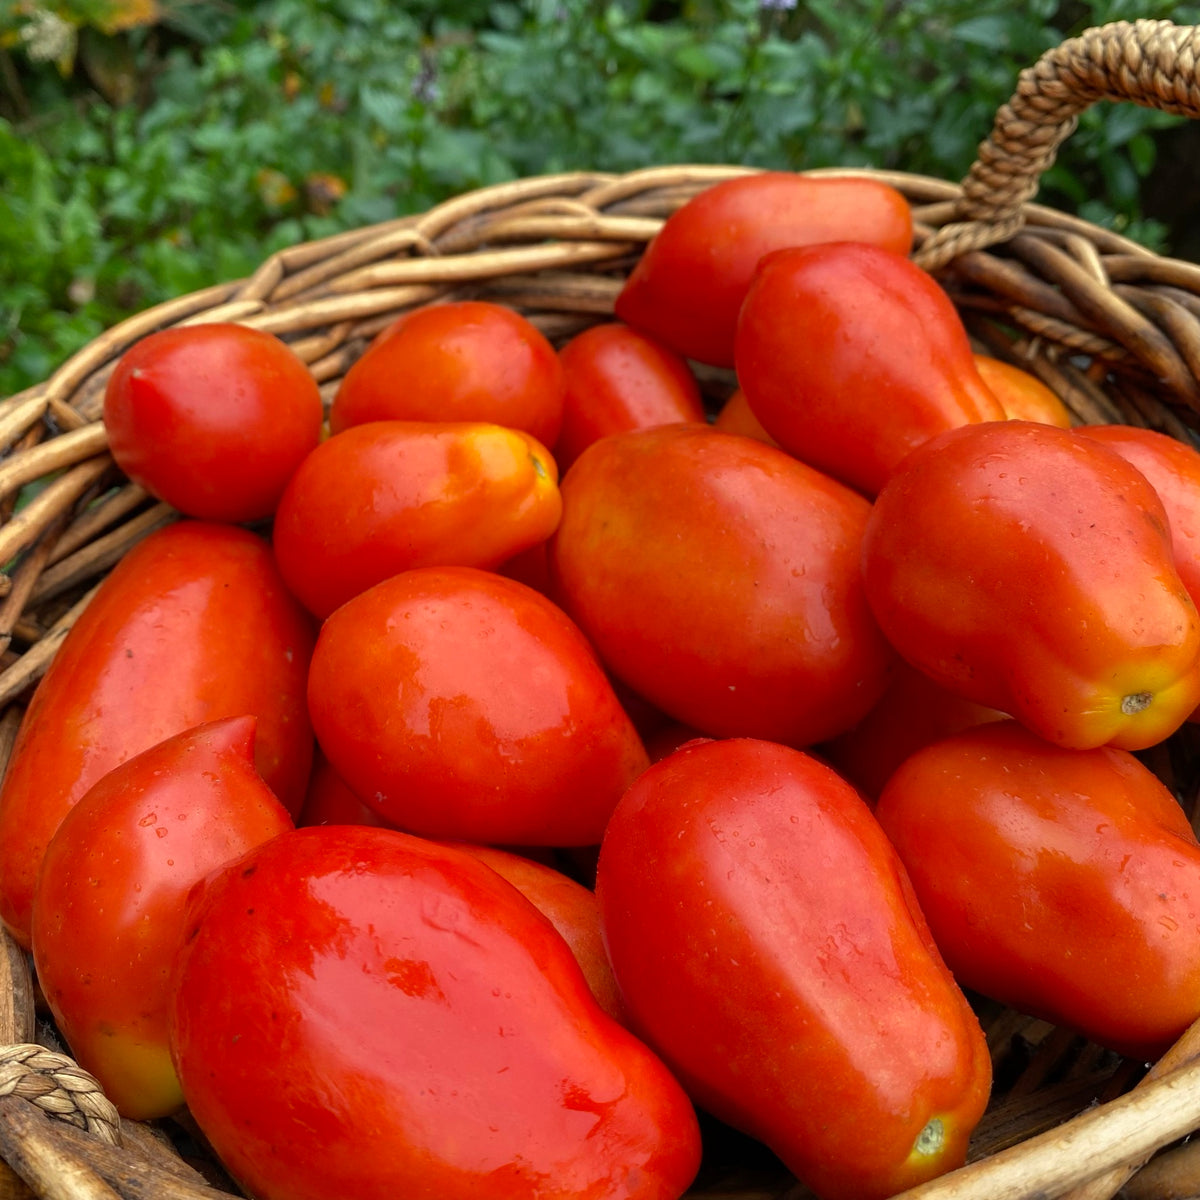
386	496
213	419
363	1013
718	578
108	912
464	360
689	285
464	705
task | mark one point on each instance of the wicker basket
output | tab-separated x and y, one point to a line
1113	328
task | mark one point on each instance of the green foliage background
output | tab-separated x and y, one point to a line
159	159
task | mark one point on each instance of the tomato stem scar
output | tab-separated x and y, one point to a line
1135	702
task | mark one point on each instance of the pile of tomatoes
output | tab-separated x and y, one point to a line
462	795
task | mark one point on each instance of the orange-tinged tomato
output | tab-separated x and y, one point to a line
390	495
735	416
1022	395
465	360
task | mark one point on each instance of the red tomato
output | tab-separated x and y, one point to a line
213	419
1028	568
569	906
330	800
428	1031
767	945
719	579
192	625
616	378
913	712
1024	397
384	497
690	283
108	912
463	705
1063	883
851	356
466	360
1173	469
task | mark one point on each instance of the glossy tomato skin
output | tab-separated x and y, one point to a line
386	496
780	966
466	360
1022	395
431	1032
108	912
1029	569
851	356
1064	883
330	800
719	579
213	419
193	624
463	705
617	378
735	416
689	285
569	906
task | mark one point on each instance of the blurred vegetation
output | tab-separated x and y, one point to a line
152	147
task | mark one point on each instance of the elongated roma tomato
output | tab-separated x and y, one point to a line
689	284
617	378
192	625
384	497
1029	568
851	356
363	1013
1064	883
719	579
108	912
463	705
767	944
466	360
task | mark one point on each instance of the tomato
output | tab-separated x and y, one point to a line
569	906
615	378
464	360
363	1013
1173	469
389	495
913	712
330	800
192	625
108	911
463	705
1023	396
719	579
689	284
213	419
735	417
1063	883
1028	568
768	947
851	356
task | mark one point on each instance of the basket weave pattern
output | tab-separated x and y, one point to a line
1113	328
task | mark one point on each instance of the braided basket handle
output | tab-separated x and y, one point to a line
1153	63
